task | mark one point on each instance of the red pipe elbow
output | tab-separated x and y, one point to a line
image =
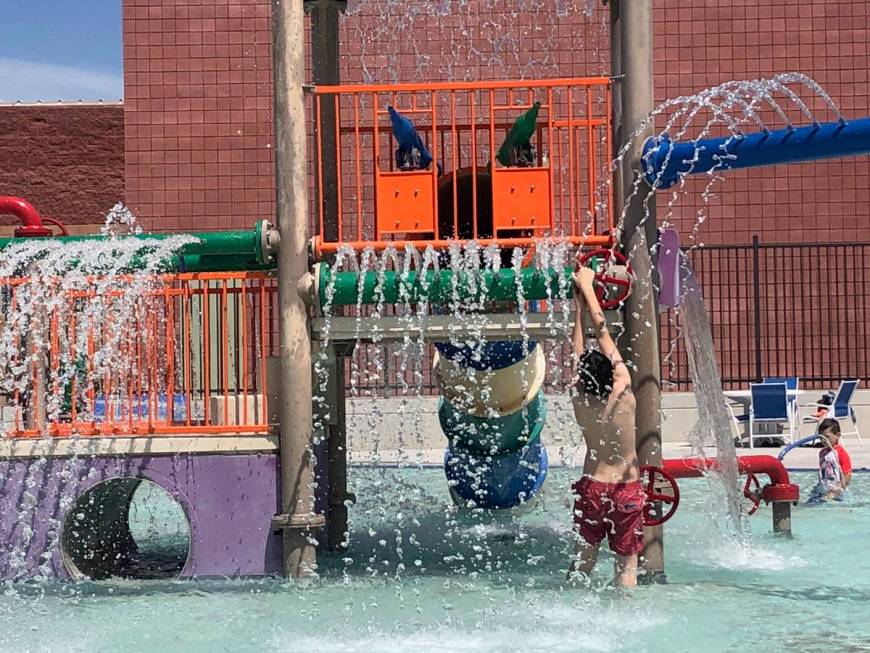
779	489
31	222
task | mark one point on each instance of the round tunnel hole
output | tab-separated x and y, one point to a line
125	527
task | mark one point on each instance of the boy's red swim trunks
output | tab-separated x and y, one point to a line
611	509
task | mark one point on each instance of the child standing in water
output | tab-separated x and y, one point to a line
609	498
835	466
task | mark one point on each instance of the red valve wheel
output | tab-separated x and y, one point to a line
752	491
650	476
604	279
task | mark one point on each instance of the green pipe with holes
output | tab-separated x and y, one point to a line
439	286
213	251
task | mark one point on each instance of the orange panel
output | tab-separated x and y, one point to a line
521	199
405	202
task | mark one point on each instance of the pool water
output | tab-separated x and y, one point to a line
420	576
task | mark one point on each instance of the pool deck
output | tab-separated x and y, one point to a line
798	459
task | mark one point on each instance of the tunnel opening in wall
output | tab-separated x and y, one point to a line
125	527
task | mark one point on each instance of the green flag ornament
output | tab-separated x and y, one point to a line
517	147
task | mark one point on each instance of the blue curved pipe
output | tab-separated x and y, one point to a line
799	443
493	462
666	161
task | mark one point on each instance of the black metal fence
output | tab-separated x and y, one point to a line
775	310
781	310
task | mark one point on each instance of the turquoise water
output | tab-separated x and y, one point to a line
420	577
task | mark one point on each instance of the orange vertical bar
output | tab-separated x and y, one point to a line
561	182
357	147
376	147
472	94
92	382
225	352
263	327
107	389
455	163
608	139
244	321
16	395
590	160
550	114
493	171
154	394
572	215
71	335
435	154
152	358
339	200
206	354
187	318
54	358
138	341
34	375
170	354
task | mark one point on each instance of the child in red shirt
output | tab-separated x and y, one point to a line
835	466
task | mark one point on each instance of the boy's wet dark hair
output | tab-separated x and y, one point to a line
829	423
595	373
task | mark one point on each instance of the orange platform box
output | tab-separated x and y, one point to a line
405	202
522	199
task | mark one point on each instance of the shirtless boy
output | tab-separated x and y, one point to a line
609	498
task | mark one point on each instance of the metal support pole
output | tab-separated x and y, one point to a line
336	518
298	517
325	70
632	23
782	517
756	305
616	97
638	101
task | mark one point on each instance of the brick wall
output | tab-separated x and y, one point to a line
197	95
197	92
742	39
67	160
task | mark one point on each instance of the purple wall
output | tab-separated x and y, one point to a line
229	501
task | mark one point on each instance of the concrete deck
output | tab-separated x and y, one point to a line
799	459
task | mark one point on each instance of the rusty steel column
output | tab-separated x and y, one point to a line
325	70
298	518
631	23
782	517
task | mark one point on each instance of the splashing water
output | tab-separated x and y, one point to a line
714	424
465	39
70	310
728	108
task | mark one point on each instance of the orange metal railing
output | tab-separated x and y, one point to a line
565	192
191	358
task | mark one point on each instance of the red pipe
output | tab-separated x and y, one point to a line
31	222
780	488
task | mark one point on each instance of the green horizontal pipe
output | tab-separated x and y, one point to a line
437	286
214	251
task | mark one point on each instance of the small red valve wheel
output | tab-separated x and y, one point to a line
752	491
652	477
604	279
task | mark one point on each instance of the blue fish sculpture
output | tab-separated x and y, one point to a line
412	153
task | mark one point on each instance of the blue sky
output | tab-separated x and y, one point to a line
60	50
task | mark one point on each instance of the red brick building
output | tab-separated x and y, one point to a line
198	93
67	159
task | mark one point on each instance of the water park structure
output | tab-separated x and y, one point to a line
232	363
